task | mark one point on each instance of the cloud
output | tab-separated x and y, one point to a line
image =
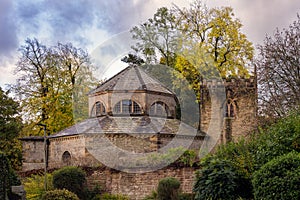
8	34
69	21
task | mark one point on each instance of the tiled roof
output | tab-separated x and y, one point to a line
132	78
127	125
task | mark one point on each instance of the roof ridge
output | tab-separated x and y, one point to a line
140	78
111	78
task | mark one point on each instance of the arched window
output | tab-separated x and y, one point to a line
231	108
127	107
98	109
159	109
66	158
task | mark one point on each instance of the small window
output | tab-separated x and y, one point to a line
98	109
230	108
159	109
66	158
127	107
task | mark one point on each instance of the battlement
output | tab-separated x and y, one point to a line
230	82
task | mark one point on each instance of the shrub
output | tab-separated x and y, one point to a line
168	188
34	186
59	195
70	178
279	139
114	197
219	179
279	178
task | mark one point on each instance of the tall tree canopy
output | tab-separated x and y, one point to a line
10	125
51	80
278	69
215	31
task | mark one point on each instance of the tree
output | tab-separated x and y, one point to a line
10	125
157	35
218	34
278	69
215	31
51	80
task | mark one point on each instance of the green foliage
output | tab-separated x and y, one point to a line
10	125
59	195
8	176
168	188
278	139
279	178
188	158
239	154
70	178
114	197
218	179
34	186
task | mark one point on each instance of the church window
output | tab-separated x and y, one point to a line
127	107
159	109
98	109
230	110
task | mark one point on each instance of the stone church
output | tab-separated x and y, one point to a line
134	112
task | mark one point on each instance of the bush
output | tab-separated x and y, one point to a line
168	188
279	178
279	139
114	197
219	179
70	178
34	186
59	195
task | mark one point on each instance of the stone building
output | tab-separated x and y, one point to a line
136	113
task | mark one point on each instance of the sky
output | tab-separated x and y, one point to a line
89	24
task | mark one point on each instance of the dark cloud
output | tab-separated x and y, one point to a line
69	16
65	20
8	35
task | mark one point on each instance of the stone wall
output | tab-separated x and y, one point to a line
74	145
33	154
137	186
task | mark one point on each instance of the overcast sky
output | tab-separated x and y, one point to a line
89	23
